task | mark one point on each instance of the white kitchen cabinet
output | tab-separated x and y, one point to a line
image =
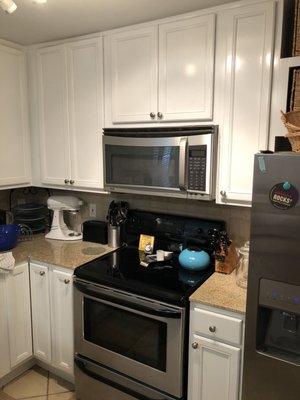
14	129
70	110
53	115
41	315
62	320
215	354
186	69
215	371
160	73
19	314
131	75
244	53
85	79
4	339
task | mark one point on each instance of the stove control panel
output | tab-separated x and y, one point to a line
197	162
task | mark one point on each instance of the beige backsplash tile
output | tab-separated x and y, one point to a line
237	218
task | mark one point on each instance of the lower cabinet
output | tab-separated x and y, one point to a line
4	342
52	311
62	321
19	314
214	362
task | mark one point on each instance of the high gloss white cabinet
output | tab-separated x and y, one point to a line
244	56
14	129
19	314
215	354
70	78
4	339
186	69
215	371
41	314
52	316
62	321
160	73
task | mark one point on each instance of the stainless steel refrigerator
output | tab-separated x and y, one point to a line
272	341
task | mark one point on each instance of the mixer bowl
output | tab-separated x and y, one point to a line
8	236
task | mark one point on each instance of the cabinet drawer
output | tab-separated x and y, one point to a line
218	326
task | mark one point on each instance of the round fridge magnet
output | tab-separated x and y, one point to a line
284	195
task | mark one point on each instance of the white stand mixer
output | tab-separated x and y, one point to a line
59	229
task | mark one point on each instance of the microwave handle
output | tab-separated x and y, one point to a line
182	163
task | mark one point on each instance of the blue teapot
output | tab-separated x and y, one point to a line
194	259
8	236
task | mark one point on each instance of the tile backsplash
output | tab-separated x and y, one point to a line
237	218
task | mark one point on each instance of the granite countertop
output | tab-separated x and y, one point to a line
66	254
221	291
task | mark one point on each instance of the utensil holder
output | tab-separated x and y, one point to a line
114	236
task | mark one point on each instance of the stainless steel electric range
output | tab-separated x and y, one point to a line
131	322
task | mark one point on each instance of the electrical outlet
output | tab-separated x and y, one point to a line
93	210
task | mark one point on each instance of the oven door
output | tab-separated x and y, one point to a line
134	164
140	338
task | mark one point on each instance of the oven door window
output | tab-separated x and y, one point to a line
129	334
142	166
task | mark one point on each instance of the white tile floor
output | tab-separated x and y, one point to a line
38	384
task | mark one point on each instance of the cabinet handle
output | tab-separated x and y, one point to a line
67	181
195	345
152	115
159	115
212	329
67	281
42	273
223	193
72	182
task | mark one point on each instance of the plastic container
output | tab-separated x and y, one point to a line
8	236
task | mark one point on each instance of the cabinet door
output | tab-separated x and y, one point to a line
19	321
85	106
40	306
131	76
186	69
214	370
62	321
14	132
4	339
246	51
53	114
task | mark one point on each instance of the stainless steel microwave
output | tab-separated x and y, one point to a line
179	162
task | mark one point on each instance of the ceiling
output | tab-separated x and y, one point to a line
59	19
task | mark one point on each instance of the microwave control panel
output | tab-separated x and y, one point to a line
197	161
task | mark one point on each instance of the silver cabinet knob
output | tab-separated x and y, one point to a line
42	273
72	182
195	345
152	114
212	329
159	115
67	181
223	193
67	281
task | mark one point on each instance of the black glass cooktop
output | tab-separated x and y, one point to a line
165	281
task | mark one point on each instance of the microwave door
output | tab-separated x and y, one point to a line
150	164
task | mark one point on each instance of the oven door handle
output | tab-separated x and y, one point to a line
159	312
82	366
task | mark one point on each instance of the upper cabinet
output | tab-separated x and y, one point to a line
14	130
160	73
244	55
186	69
70	114
131	75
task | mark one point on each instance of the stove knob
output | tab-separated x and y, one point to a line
195	345
212	329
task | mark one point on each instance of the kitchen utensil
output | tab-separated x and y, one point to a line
114	236
242	266
194	259
8	236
